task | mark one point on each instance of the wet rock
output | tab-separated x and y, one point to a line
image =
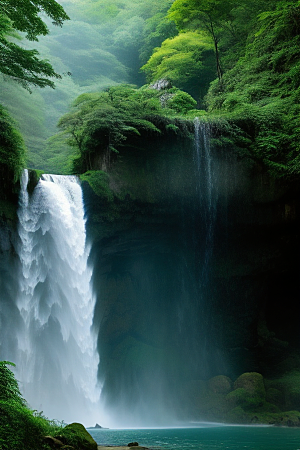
53	442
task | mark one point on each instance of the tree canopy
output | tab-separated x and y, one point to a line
102	123
261	92
186	60
24	16
205	14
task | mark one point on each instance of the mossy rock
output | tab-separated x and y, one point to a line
220	384
253	383
287	419
268	407
289	387
283	419
266	414
77	436
241	397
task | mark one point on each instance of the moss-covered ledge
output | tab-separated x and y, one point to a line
250	399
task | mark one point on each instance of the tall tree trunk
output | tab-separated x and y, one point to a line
215	39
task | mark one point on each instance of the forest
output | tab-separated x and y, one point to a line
234	61
89	84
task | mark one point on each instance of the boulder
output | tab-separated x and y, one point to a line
77	436
53	442
220	384
252	382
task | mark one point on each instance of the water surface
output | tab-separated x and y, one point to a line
204	438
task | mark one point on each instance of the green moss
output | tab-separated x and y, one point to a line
77	436
289	388
249	392
253	383
8	210
33	179
99	182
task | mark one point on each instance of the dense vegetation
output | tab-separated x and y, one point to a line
99	47
23	428
238	59
25	67
256	56
100	124
260	93
12	153
18	63
19	426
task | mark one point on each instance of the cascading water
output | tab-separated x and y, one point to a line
206	192
199	225
56	359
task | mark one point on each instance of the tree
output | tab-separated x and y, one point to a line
23	16
102	123
260	94
186	60
208	15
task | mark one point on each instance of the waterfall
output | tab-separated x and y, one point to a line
199	233
56	361
206	192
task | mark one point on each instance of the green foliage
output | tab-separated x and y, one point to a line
9	389
181	102
260	94
16	62
289	387
100	124
22	428
196	12
25	15
19	426
186	60
99	182
12	154
156	30
56	156
211	16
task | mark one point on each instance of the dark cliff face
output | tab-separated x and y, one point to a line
192	280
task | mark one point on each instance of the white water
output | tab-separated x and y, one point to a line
57	359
